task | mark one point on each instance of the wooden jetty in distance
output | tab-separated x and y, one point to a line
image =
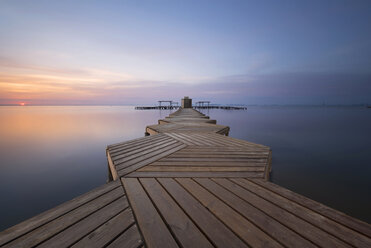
188	186
155	107
198	105
221	107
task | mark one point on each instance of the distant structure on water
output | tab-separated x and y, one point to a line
186	102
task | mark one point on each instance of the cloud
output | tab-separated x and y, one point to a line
49	85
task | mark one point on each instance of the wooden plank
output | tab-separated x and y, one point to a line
154	230
221	140
111	166
231	159
224	149
242	142
211	157
129	239
164	127
149	160
211	142
151	131
217	153
275	229
212	227
52	214
177	138
201	141
206	163
183	127
85	226
152	153
236	222
181	138
133	141
247	174
185	119
142	152
103	235
133	149
224	131
352	223
182	227
332	233
200	169
268	167
195	141
53	227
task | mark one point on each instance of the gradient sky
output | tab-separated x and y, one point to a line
138	52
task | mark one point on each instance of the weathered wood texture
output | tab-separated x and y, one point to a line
236	212
189	186
189	155
95	219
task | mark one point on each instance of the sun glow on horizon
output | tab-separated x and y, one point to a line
22	104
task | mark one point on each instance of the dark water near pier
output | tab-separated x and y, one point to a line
49	155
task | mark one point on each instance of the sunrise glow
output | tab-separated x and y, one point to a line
221	52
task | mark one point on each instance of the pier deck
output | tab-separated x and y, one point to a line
187	121
98	218
189	187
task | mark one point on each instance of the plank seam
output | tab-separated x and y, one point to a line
134	215
148	152
180	206
312	210
213	213
111	241
140	145
161	216
243	216
212	179
318	227
133	165
56	217
43	241
100	226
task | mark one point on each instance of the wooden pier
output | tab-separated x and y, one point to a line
155	107
187	184
221	107
199	105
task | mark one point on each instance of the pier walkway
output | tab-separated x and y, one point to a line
187	184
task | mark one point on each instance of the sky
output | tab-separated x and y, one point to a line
138	52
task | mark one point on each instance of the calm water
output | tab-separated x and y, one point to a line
51	154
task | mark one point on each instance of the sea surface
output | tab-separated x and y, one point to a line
50	154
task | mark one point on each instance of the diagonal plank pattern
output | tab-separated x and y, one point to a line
188	185
236	212
98	218
205	156
189	154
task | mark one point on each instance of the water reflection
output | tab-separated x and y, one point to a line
51	154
